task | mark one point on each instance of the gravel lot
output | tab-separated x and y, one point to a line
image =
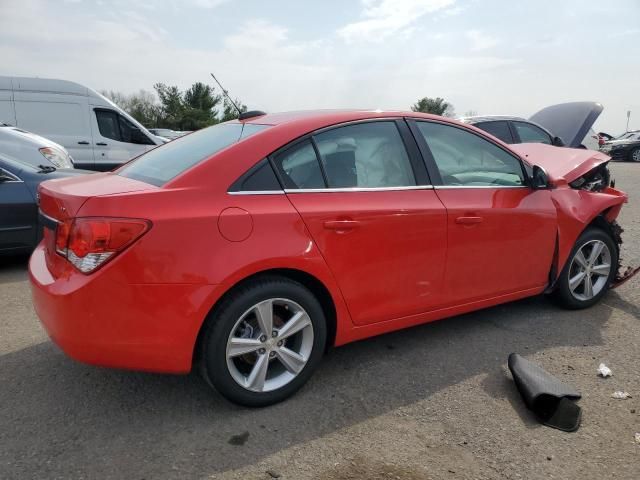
434	401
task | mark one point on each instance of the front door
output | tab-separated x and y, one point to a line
379	225
501	233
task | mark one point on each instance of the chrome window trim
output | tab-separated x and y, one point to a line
51	219
16	179
257	192
448	187
357	189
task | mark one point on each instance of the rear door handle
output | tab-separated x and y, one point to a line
341	224
469	220
102	144
83	142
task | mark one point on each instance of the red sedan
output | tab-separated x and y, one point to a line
250	247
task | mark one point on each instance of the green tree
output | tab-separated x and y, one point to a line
436	106
171	104
143	106
195	108
200	107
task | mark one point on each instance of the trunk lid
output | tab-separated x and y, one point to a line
560	163
569	121
62	198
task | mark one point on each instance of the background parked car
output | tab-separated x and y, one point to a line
625	147
513	129
565	124
95	131
32	148
19	226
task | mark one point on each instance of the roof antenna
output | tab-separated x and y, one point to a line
226	94
241	115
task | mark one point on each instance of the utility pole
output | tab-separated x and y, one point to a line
628	116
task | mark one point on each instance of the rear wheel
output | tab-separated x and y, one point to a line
589	270
264	342
634	155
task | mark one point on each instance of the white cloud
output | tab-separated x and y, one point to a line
481	40
382	18
207	3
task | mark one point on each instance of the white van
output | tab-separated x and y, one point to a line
94	130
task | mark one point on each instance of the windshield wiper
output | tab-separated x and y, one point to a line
46	168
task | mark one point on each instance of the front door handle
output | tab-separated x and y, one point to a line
102	144
469	220
83	142
341	225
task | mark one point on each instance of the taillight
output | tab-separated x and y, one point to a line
90	241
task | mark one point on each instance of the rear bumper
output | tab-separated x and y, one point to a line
102	320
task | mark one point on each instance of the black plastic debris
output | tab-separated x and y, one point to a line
545	395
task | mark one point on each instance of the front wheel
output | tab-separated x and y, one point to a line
589	271
264	341
634	155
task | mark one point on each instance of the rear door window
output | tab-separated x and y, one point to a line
163	163
299	167
365	155
529	133
499	129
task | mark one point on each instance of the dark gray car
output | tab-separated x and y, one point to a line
19	227
564	124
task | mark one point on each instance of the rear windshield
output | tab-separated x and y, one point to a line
161	164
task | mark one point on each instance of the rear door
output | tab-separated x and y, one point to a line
61	118
501	233
369	206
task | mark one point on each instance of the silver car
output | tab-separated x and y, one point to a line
32	149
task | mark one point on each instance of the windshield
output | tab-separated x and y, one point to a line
161	164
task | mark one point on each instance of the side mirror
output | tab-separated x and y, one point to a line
557	142
540	179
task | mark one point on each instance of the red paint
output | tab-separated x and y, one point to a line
235	224
507	248
389	259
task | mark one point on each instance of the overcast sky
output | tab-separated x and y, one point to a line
490	56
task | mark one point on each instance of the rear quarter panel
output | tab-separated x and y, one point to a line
185	244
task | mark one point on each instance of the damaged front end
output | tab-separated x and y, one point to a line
599	179
622	275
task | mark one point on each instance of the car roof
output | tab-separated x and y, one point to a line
314	119
490	118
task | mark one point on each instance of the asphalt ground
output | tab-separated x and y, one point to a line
435	401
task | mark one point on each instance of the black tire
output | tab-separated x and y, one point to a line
635	151
562	293
223	319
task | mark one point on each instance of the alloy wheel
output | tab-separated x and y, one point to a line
589	270
635	155
269	345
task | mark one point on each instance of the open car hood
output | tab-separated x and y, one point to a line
569	121
567	164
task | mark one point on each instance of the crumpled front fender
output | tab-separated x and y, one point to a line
577	209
